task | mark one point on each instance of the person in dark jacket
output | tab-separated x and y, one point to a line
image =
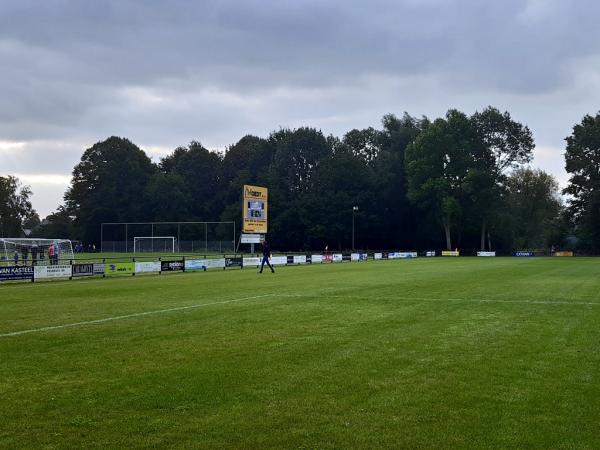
266	256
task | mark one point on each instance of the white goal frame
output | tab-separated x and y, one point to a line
152	238
34	251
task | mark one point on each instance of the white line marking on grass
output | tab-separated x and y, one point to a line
433	300
128	316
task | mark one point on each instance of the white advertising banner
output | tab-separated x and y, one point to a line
57	271
431	253
278	260
355	257
299	259
250	262
252	238
377	256
337	257
210	263
486	253
195	264
317	259
147	266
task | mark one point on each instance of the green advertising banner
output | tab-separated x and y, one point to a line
119	268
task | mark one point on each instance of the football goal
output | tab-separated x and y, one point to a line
151	244
35	252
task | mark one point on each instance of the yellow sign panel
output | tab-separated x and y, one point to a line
254	211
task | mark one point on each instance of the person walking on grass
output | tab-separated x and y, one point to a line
266	256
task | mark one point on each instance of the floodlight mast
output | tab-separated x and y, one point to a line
354	209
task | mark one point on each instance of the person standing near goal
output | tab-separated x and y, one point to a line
266	256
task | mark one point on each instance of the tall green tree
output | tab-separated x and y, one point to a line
438	166
15	206
583	164
395	221
199	169
534	207
296	159
507	144
341	182
109	185
59	224
246	162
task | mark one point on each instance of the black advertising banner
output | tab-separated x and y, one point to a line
234	262
290	259
170	266
308	259
83	270
16	273
346	257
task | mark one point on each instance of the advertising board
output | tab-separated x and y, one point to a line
251	262
251	238
82	270
402	255
299	259
327	258
450	253
278	260
565	253
147	266
430	253
377	256
195	264
337	257
234	262
524	254
56	271
215	263
99	269
16	273
486	253
119	268
254	209
171	266
316	259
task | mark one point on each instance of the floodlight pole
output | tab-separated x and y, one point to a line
354	209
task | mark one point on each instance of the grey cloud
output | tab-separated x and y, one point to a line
163	73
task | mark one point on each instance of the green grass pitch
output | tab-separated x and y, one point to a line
426	353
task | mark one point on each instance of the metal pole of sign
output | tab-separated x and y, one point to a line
354	209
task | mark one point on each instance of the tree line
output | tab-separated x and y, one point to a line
458	181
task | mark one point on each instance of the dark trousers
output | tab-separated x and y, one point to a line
262	264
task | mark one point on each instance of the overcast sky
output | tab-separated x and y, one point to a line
163	73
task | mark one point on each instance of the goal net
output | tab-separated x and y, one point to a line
154	244
32	252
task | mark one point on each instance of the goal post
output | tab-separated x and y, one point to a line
151	244
35	252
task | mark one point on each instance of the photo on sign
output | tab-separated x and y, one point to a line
256	209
